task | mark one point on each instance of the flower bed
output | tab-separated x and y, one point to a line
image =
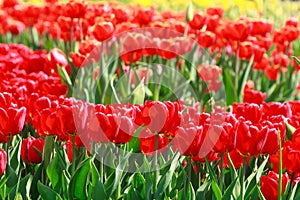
103	100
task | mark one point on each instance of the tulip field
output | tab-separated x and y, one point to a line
107	100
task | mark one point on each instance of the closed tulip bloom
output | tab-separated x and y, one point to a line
3	160
103	30
269	185
29	150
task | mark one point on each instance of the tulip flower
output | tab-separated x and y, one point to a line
3	160
269	185
30	150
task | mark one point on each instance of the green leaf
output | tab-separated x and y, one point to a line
18	196
273	92
48	150
189	12
21	187
36	177
216	190
297	60
54	174
138	94
290	130
261	169
232	169
293	193
261	196
211	172
167	177
15	156
191	192
230	90
200	193
286	191
12	176
47	193
77	188
98	189
64	75
229	191
243	78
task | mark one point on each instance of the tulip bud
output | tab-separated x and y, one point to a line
30	148
2	161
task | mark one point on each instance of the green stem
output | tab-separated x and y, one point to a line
280	169
237	65
243	178
157	89
221	171
73	154
156	173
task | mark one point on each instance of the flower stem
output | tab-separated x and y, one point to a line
280	168
243	178
73	154
221	171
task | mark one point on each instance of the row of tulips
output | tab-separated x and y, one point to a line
248	131
227	150
92	22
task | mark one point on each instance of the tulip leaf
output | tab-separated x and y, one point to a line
47	193
189	12
48	150
138	94
296	59
229	191
12	176
167	177
211	172
216	190
230	90
232	169
273	92
290	130
15	158
200	193
261	196
37	176
77	187
261	169
97	188
294	192
20	187
54	173
286	190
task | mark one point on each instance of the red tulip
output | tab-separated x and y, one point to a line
78	59
148	142
12	120
29	150
3	160
269	185
103	30
261	27
251	111
215	11
238	31
206	39
249	139
75	9
198	21
145	16
236	158
254	96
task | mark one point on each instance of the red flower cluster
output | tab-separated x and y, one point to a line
97	22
